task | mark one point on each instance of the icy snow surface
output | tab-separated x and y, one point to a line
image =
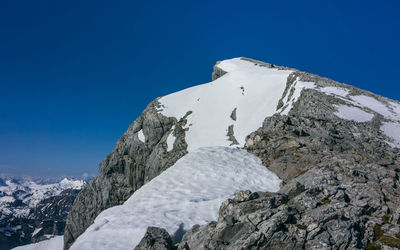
188	193
353	113
252	89
56	243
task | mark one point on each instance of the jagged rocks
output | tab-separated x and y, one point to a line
340	189
135	160
217	72
324	217
155	239
337	204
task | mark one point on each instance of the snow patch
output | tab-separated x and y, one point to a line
376	106
141	136
392	130
335	91
188	193
171	139
353	113
256	90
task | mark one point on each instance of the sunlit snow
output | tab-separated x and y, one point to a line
252	89
141	136
188	193
353	113
171	139
335	91
392	130
375	105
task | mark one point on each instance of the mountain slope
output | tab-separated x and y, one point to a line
157	139
293	121
188	193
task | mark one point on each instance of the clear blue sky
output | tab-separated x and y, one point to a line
74	74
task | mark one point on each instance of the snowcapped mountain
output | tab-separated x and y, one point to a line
28	208
334	147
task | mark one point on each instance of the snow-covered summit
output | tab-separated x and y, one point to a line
223	112
242	97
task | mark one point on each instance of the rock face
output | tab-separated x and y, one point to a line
335	147
140	155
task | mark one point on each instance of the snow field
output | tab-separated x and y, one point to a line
253	90
189	192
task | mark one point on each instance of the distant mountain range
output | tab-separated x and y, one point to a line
34	208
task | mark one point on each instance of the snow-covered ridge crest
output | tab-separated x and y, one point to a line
245	91
243	97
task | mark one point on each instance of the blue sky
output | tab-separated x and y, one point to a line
75	74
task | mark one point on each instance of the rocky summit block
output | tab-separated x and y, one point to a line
155	239
335	147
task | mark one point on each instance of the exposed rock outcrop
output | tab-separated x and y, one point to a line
340	190
133	162
155	239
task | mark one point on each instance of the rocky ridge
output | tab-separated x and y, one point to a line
340	171
341	183
139	155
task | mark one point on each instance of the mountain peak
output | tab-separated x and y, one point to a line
302	127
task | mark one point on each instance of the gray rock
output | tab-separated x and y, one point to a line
155	239
218	72
231	136
340	189
128	167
